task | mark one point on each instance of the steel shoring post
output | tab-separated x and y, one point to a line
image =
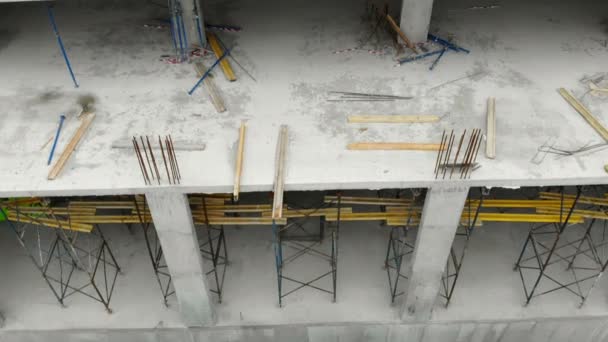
278	257
39	266
457	261
280	237
217	253
155	253
542	265
334	248
398	248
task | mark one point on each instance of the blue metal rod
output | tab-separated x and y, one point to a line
208	71
200	32
437	59
61	119
415	58
185	52
173	35
60	42
447	44
179	33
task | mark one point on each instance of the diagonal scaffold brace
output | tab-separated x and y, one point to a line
302	242
155	251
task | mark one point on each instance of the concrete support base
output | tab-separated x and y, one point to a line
440	218
415	19
175	229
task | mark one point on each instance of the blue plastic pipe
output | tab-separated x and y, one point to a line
65	56
61	120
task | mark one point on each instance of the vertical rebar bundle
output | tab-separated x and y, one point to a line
169	159
446	165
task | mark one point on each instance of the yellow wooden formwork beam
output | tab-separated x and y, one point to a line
295	213
219	52
368	200
502	203
51	223
584	213
568	199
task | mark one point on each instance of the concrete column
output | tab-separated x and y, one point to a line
175	228
440	218
415	19
190	9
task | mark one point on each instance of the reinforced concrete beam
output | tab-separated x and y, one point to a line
440	218
415	19
176	233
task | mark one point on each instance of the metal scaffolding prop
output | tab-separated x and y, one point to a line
300	241
73	258
575	247
155	251
469	220
212	244
400	246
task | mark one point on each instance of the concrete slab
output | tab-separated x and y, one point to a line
524	52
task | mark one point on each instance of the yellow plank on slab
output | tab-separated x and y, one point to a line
392	146
219	52
584	112
392	118
87	119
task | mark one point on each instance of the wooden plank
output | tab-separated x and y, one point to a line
491	129
368	200
214	95
388	146
219	52
87	119
279	181
396	28
239	162
582	110
294	213
392	118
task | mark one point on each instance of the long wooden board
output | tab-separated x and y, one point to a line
396	28
491	129
279	181
219	52
392	118
214	95
392	146
582	110
239	163
87	119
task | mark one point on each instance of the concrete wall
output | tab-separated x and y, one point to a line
558	330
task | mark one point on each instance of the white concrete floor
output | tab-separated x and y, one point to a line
488	289
526	50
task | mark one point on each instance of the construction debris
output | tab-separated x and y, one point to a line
168	156
393	146
393	118
465	165
584	112
87	119
336	96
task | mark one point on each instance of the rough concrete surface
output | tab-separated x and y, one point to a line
524	53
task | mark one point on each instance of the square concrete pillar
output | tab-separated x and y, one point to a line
440	218
416	19
176	233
